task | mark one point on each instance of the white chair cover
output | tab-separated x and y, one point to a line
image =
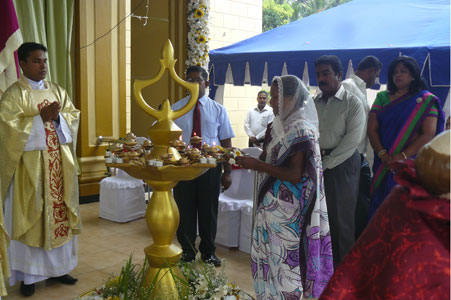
242	180
246	227
231	202
228	232
122	198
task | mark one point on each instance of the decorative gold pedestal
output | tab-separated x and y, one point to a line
162	215
162	218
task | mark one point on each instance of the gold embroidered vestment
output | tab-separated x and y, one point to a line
45	210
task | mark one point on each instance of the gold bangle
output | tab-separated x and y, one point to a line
381	153
403	154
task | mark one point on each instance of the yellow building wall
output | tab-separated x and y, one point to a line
167	20
232	21
111	51
100	82
106	69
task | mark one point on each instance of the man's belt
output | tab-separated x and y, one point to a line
325	152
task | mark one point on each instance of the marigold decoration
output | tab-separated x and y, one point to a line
198	33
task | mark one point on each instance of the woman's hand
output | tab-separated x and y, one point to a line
386	159
392	164
247	162
397	157
292	172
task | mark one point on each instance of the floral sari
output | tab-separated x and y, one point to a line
291	246
399	122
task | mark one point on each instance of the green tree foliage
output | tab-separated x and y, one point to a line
276	14
281	12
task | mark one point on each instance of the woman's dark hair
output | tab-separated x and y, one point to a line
24	50
411	64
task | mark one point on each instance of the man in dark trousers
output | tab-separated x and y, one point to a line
197	199
341	124
364	78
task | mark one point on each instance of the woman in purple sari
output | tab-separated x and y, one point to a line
402	120
291	253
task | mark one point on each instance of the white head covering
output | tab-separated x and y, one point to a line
300	105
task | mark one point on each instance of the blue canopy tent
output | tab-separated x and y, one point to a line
383	28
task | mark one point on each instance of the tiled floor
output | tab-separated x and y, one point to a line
104	246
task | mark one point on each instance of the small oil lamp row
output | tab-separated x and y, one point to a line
133	153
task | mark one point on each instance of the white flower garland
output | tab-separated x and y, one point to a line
198	33
204	282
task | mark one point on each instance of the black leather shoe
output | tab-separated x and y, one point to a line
26	290
212	259
188	257
65	279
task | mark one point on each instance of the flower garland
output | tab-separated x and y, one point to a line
204	282
198	33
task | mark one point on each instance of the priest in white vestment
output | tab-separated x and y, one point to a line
38	178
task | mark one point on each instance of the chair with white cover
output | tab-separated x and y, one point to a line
122	198
246	227
232	200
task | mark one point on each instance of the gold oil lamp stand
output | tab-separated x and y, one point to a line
162	214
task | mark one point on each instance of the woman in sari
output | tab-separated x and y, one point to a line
402	120
291	252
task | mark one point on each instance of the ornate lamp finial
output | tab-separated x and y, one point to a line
165	129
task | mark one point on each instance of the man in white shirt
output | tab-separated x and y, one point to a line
197	199
257	119
341	122
365	77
